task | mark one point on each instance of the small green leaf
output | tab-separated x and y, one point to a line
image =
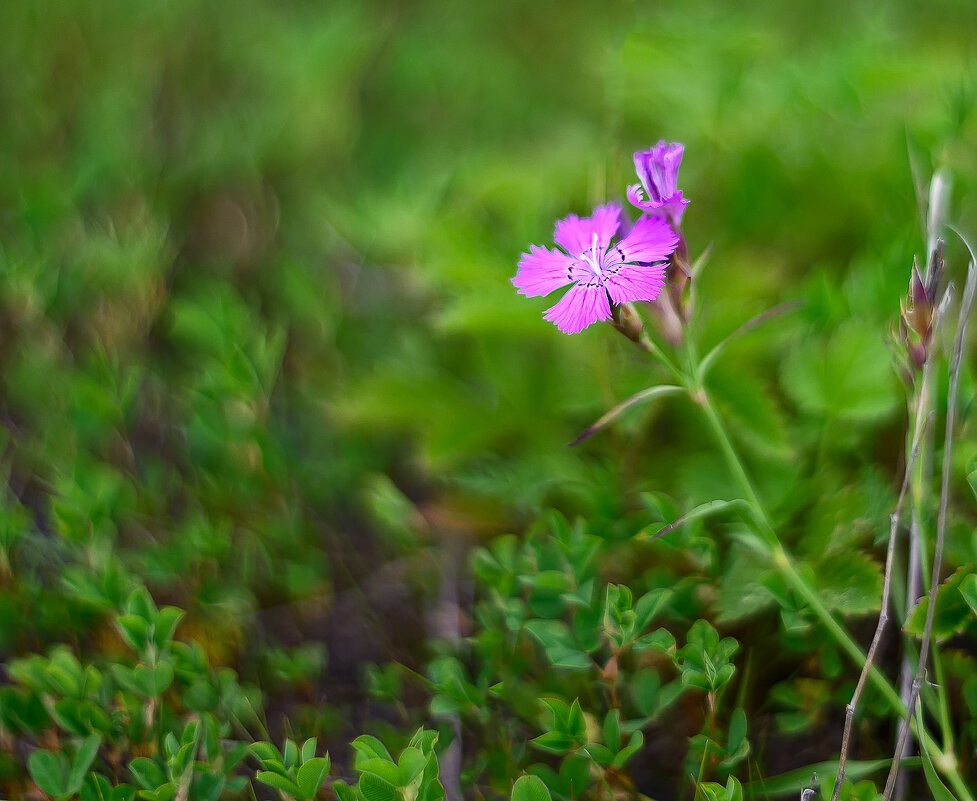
166	622
84	757
555	742
368	747
530	788
308	749
374	788
147	773
612	729
639	397
650	605
96	788
312	775
933	781
344	792
410	764
601	754
50	771
291	754
387	771
634	745
279	782
644	690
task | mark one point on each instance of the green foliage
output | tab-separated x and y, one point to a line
263	379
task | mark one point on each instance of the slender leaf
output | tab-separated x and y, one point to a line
639	397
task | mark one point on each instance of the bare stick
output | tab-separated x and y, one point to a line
918	426
965	305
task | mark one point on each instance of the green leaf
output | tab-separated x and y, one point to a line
650	605
96	788
279	782
50	771
639	397
953	611
851	585
368	747
786	784
84	757
147	773
845	377
699	512
530	788
559	644
612	729
291	754
308	749
344	792
265	752
634	745
933	781
387	771
555	742
374	788
601	754
410	764
166	622
968	589
644	690
741	594
312	775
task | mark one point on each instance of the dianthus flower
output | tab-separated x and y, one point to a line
658	170
630	270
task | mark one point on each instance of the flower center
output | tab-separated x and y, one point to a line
595	257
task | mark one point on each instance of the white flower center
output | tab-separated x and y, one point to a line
593	260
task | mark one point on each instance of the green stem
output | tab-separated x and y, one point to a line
944	760
733	461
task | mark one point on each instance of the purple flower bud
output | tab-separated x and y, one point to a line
658	170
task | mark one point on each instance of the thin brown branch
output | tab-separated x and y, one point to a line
919	425
965	306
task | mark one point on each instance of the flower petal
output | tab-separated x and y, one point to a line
651	239
542	271
658	170
576	234
635	282
579	307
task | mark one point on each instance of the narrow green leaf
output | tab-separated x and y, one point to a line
639	397
707	509
84	757
936	786
308	749
612	729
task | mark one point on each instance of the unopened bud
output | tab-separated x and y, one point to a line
626	320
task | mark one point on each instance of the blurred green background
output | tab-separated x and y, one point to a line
258	344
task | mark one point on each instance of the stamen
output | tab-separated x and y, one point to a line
593	259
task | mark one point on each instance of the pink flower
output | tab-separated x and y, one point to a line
601	273
658	170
